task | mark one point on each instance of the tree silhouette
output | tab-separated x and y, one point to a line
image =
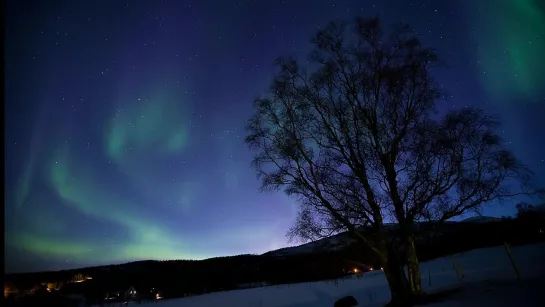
356	138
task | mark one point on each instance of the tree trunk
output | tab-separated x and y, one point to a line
399	290
397	281
413	267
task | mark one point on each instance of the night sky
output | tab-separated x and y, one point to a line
124	119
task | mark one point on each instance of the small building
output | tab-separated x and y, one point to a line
130	293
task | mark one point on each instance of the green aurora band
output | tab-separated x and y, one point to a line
152	124
153	128
77	189
142	132
150	127
511	44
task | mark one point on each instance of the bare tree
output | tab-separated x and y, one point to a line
355	137
449	166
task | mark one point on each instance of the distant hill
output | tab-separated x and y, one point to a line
334	243
480	219
343	240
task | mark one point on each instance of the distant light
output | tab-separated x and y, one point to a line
370	269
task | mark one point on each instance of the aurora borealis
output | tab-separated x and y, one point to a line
124	119
513	38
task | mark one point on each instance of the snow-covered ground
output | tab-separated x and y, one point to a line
489	280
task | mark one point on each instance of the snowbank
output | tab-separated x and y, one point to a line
486	272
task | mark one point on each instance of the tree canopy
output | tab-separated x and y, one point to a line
357	136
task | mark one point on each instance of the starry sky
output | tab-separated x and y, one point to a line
124	119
